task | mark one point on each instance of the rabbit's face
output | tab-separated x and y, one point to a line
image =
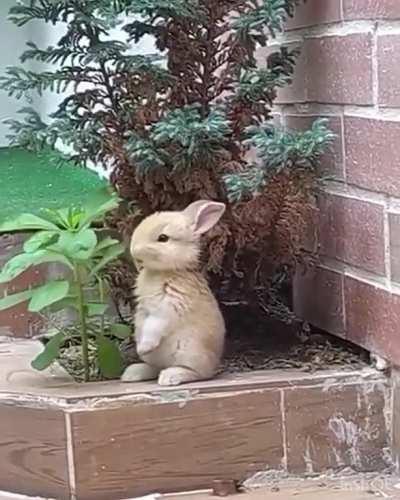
164	242
169	241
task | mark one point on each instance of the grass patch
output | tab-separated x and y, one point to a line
30	182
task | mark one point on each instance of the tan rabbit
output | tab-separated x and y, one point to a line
179	327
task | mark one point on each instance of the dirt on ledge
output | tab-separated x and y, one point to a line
256	345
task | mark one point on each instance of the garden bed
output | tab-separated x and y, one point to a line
315	352
111	440
320	408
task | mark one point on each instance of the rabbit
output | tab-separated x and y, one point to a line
179	327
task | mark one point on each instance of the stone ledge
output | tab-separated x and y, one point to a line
110	441
19	379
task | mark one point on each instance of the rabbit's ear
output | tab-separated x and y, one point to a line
204	214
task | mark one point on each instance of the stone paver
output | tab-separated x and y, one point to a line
351	487
12	496
316	493
16	373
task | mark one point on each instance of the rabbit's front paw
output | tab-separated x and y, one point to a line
146	346
139	372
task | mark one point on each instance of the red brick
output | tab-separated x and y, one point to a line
373	318
351	230
395	379
18	321
335	427
373	154
371	9
339	69
331	70
394	225
11	244
318	299
315	12
331	162
389	69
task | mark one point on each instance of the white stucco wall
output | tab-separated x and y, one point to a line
14	39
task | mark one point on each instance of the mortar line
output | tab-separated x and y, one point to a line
342	138
386	242
284	431
366	111
359	274
339	28
70	455
341	9
375	67
343	297
395	454
338	188
336	28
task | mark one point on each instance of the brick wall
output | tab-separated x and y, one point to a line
349	72
18	321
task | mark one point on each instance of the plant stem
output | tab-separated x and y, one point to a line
83	325
102	294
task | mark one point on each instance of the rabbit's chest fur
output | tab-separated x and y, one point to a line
180	290
197	326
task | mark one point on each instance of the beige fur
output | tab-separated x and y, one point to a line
179	327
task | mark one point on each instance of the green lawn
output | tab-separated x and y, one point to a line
30	182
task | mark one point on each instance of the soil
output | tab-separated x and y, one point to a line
309	352
264	343
256	345
272	345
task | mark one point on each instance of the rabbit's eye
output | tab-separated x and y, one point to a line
163	238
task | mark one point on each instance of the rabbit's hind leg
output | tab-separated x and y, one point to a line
139	372
176	375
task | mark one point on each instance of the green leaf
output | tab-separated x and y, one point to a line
14	299
48	294
101	202
50	352
39	240
121	331
20	263
96	309
64	218
79	245
106	243
109	255
27	222
109	357
69	302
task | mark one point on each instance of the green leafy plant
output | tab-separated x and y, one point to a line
69	237
190	121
